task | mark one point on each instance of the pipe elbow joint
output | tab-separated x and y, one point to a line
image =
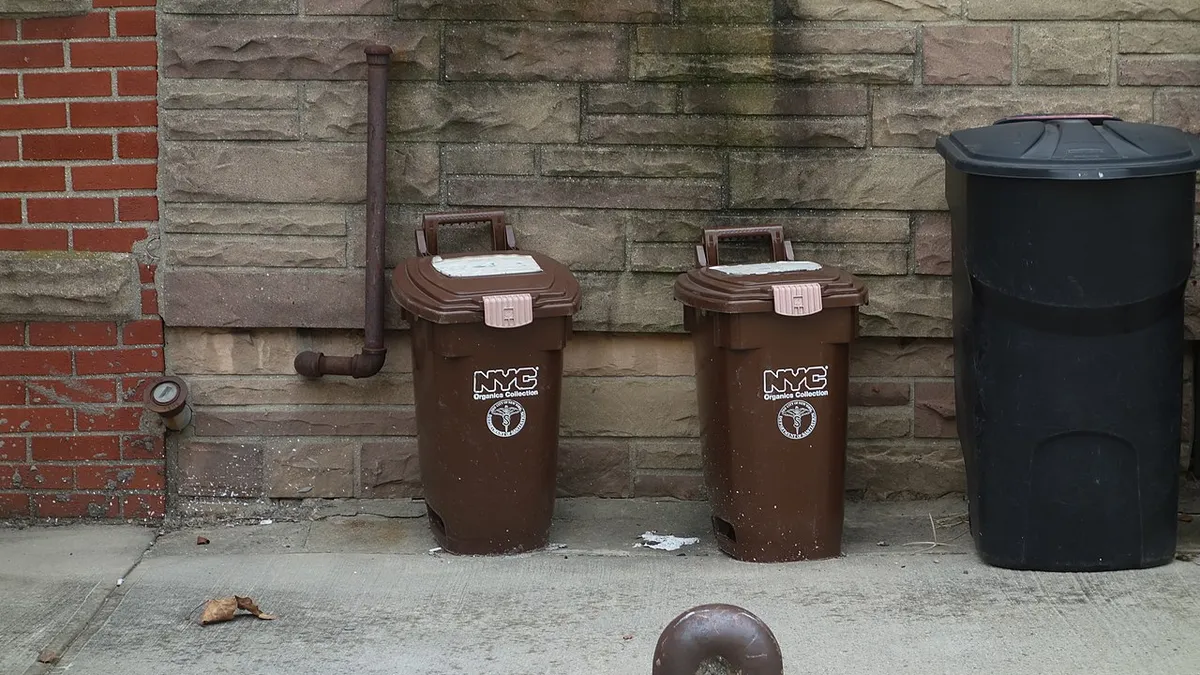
717	631
367	362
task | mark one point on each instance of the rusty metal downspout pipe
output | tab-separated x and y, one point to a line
370	360
727	632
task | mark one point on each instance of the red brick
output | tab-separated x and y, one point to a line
49	55
120	478
10	213
72	390
143	332
76	506
67	85
75	448
115	177
12	334
140	22
142	447
14	505
122	3
113	419
10	149
67	147
138	210
76	333
133	389
33	178
143	507
87	26
149	301
8	87
48	477
12	449
8	29
12	392
32	240
35	362
71	210
137	83
33	116
34	420
117	239
113	54
114	114
145	272
117	361
138	145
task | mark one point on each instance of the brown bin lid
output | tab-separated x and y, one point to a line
783	286
503	288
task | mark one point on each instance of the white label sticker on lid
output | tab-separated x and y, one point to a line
499	264
767	268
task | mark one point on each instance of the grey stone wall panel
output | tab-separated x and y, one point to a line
47	285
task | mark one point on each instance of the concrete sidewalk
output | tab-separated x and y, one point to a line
365	595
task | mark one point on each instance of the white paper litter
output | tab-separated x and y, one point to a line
435	549
266	522
665	542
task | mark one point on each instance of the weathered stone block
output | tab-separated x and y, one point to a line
775	99
46	285
968	54
872	10
727	131
1069	53
621	11
1179	109
688	486
645	406
876	357
934	410
588	162
277	219
1159	38
875	393
224	250
187	94
390	469
583	239
908	307
399	242
292	172
33	8
849	69
1161	71
668	454
726	11
535	52
623	193
220	469
306	470
631	98
785	180
1083	10
887	422
305	421
916	117
842	226
628	302
895	469
233	125
493	160
349	7
272	48
774	40
227	7
246	390
593	468
931	240
268	351
613	355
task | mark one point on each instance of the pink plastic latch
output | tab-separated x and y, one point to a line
507	311
797	299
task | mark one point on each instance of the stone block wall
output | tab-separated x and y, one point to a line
613	133
79	327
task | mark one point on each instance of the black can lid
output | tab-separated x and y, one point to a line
1071	147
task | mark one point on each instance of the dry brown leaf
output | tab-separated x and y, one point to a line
224	609
201	541
48	656
1185	517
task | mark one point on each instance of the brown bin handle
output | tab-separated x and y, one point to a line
707	253
503	238
1094	118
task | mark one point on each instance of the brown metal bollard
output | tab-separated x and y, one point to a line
727	632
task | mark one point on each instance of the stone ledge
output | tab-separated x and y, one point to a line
24	9
47	285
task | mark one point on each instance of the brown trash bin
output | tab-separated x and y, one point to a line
488	332
772	343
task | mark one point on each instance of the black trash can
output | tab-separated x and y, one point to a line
1072	242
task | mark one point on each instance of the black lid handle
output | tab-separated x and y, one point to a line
503	238
1094	118
707	253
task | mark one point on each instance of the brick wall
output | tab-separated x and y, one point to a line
612	132
79	325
